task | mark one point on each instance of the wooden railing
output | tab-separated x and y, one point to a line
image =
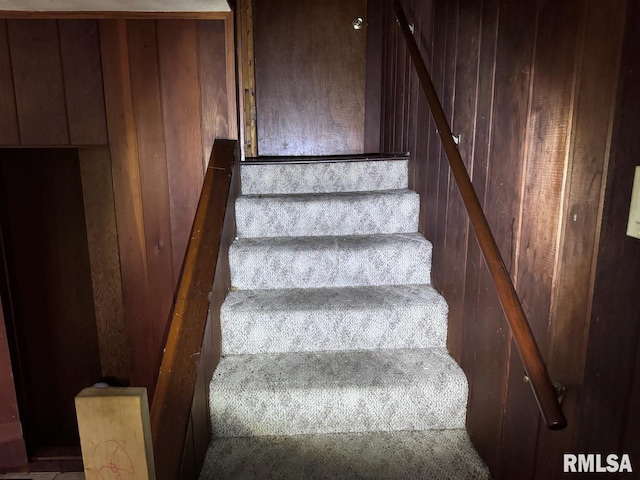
171	405
543	390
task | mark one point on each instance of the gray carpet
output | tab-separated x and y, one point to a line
334	357
431	454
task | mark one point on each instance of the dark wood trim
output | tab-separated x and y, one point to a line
542	387
244	25
171	406
373	76
328	158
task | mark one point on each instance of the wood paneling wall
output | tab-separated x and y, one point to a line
167	89
531	88
612	372
158	92
51	83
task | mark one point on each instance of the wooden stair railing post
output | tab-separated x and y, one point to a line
543	390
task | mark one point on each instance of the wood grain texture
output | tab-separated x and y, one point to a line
246	57
536	100
580	229
125	164
182	126
546	154
514	51
154	184
457	223
102	239
212	71
373	76
38	82
424	120
234	109
9	134
481	160
164	84
310	77
212	342
170	412
449	19
13	454
612	376
431	189
80	53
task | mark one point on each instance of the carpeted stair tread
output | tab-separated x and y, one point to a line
411	455
333	392
320	214
321	177
347	318
336	261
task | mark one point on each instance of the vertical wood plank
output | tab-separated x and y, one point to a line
233	101
13	454
424	123
612	376
387	117
80	53
128	199
481	160
245	26
438	52
182	126
154	184
400	92
38	82
414	91
502	206
212	70
457	222
373	76
8	118
102	239
448	92
547	144
584	190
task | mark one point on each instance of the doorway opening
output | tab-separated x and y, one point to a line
53	284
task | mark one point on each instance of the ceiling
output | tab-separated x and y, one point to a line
115	5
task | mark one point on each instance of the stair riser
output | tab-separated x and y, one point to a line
363	329
324	177
434	454
265	266
333	392
328	215
357	410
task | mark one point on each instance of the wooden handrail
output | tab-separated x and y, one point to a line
171	405
543	390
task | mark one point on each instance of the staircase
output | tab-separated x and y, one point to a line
333	340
